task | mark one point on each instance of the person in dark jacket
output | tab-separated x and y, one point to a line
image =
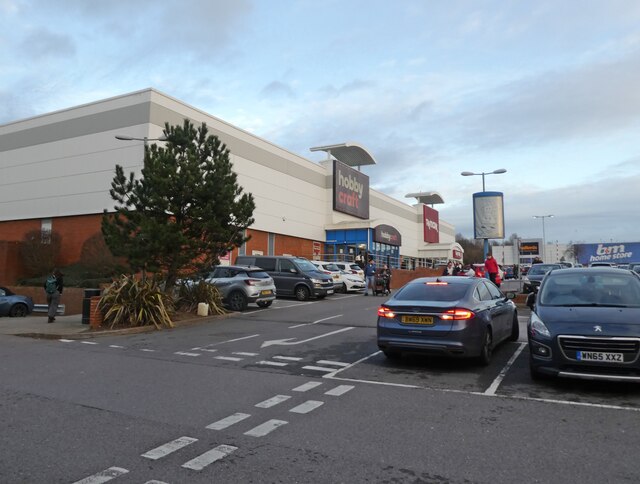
53	286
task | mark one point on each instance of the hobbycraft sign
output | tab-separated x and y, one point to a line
350	191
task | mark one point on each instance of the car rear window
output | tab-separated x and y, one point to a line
420	291
355	267
258	274
541	269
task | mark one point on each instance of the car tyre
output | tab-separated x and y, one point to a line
487	348
237	301
302	293
515	328
264	304
343	289
19	311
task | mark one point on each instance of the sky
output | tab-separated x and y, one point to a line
548	90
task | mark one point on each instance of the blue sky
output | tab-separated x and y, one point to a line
548	90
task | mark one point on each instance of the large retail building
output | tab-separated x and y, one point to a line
56	171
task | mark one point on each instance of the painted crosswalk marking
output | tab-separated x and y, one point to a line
66	340
265	428
307	406
243	353
272	363
228	421
273	401
318	368
209	457
329	362
286	358
147	350
228	358
339	390
307	386
186	353
89	343
168	448
210	350
103	476
115	346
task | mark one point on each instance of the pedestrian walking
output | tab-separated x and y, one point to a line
53	286
491	267
370	275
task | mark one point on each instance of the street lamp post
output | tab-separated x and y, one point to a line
544	239
499	171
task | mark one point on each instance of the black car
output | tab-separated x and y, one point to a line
585	323
535	275
448	315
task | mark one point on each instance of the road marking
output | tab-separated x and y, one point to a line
329	362
307	406
208	349
247	313
228	358
316	322
265	428
273	401
496	383
318	368
331	375
209	457
339	390
168	448
185	353
237	339
89	343
272	363
242	353
66	340
103	476
115	346
288	341
287	358
228	421
307	386
148	351
155	482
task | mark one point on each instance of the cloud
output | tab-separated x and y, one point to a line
277	89
44	44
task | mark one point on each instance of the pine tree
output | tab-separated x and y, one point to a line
186	209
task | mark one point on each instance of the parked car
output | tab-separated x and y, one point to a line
585	323
447	315
634	266
602	264
351	267
535	275
240	285
293	276
342	281
14	305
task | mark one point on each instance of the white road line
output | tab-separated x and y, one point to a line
331	375
318	368
209	457
335	363
89	343
155	482
103	476
272	308
228	358
265	428
496	383
196	348
237	339
316	322
228	421
273	401
307	386
242	353
148	351
168	448
272	363
307	406
287	358
339	390
185	353
208	349
115	346
66	340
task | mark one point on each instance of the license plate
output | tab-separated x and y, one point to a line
330	291
336	277
266	292
417	319
598	356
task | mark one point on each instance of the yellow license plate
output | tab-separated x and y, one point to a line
417	319
268	292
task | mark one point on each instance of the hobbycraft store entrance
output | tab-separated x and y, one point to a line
345	245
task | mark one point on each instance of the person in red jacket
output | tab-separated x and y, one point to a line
491	267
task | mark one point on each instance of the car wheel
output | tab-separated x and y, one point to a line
392	355
487	348
264	304
237	301
19	311
515	328
302	293
342	289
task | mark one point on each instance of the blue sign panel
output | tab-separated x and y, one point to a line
616	252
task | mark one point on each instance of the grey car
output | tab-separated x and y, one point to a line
240	285
531	282
14	305
447	316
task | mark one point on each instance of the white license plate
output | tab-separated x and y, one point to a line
330	291
598	356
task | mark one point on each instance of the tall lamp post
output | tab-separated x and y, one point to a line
544	239
499	171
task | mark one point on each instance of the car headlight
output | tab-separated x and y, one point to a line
537	327
317	281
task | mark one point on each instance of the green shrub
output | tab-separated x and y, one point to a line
189	295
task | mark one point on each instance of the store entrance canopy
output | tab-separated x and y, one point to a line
350	153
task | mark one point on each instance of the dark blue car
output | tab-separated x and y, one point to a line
14	305
585	323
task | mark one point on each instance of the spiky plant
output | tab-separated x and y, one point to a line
189	295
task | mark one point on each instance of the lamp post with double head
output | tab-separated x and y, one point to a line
544	238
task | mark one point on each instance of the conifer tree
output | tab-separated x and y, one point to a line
184	211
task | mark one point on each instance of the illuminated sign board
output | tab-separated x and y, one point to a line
431	222
386	234
529	248
488	215
350	191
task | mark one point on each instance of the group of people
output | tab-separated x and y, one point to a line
371	273
490	266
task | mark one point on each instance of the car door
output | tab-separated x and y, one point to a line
288	276
500	312
220	277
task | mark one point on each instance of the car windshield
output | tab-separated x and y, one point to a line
420	291
541	269
331	267
613	290
305	265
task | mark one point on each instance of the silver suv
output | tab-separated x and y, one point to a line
240	285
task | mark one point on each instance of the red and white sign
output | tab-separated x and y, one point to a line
431	222
317	247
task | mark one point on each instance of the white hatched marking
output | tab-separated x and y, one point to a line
168	448
228	421
242	353
196	348
89	343
115	346
209	457
318	368
329	362
103	476
66	340
272	363
148	351
339	390
155	482
273	401
186	353
228	358
307	406
210	350
265	428
307	386
286	358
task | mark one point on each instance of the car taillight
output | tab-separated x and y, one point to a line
385	312
457	315
251	282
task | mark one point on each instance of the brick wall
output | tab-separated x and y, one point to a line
11	267
399	277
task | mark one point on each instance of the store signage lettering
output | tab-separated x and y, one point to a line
431	219
350	191
615	252
529	248
386	234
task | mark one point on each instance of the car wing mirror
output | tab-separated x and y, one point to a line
293	271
